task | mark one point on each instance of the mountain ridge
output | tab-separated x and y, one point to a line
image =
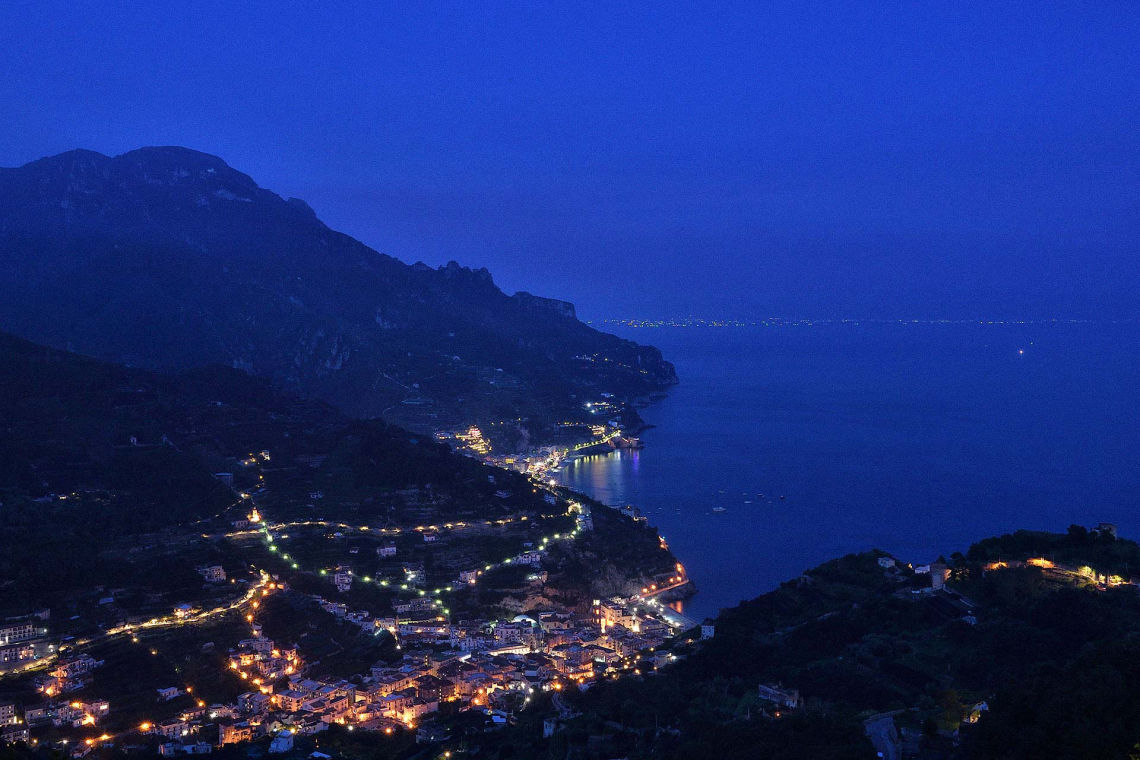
167	257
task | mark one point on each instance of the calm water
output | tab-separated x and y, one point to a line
916	439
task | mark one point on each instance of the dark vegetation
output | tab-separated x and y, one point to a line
1052	655
106	478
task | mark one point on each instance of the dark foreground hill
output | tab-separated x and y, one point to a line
112	476
168	258
1032	650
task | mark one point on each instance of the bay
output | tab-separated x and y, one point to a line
812	441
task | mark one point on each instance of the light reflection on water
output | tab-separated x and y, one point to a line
915	440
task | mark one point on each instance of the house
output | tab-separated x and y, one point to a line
171	749
708	629
230	732
430	536
529	558
13	734
361	618
886	562
608	614
283	742
432	688
38	716
22	631
939	574
8	715
75	666
291	700
394	704
417	709
343	580
336	609
171	729
212	573
16	653
254	703
168	693
515	632
387	550
788	698
884	736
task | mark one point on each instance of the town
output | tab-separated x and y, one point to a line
426	613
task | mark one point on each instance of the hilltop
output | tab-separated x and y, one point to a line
168	258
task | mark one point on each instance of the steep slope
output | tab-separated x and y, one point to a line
168	258
101	461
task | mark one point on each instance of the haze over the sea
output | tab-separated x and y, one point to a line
913	438
834	159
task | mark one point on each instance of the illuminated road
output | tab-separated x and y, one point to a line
199	617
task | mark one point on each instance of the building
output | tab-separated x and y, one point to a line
171	749
939	574
230	732
387	550
168	693
171	729
17	653
13	633
290	700
283	742
786	698
608	614
212	573
13	734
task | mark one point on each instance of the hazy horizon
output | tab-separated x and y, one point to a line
925	162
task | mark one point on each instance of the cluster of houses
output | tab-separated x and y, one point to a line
492	666
12	727
23	641
69	674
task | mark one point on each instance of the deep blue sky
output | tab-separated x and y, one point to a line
849	159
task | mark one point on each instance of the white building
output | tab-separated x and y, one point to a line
283	742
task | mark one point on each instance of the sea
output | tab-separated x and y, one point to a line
788	444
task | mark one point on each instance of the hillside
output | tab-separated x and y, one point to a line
167	258
106	462
1019	657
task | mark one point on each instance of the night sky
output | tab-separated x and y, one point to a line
825	160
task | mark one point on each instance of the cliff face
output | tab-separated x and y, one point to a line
169	258
538	303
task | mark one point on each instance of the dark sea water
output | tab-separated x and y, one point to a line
916	439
